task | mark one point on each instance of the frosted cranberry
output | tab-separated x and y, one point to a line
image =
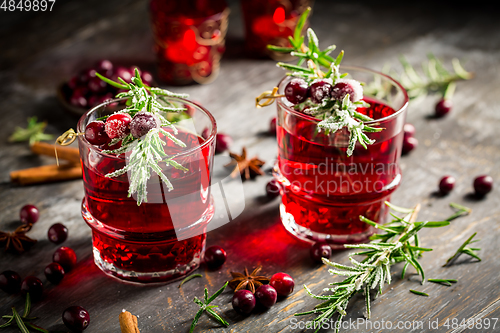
29	214
296	91
142	123
33	286
409	143
124	73
57	233
272	126
446	184
319	90
273	189
266	295
76	318
66	257
96	85
147	78
283	283
347	86
54	273
243	301
95	133
409	130
320	250
483	185
443	107
215	256
222	143
118	125
10	282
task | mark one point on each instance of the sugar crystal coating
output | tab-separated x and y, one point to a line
347	86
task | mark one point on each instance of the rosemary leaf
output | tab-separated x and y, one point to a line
190	277
421	293
204	306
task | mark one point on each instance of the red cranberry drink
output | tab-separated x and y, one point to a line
147	229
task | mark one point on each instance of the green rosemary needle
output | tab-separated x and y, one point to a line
34	132
189	278
446	282
421	293
471	251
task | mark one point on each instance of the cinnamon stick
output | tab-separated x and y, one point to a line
46	174
128	323
69	154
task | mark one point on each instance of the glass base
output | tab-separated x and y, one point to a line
307	235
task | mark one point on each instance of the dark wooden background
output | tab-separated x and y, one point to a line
40	50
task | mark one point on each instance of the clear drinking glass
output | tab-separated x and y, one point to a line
162	239
325	191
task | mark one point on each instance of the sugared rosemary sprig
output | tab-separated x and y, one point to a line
334	114
399	243
34	132
471	251
22	322
204	306
146	152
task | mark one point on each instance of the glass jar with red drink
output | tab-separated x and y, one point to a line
189	39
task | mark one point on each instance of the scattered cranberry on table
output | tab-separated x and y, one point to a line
95	133
320	250
243	301
142	123
446	184
76	318
57	233
215	256
54	273
10	282
66	257
409	130
266	295
222	143
33	286
118	125
273	188
272	126
296	91
443	107
283	283
409	143
483	185
29	214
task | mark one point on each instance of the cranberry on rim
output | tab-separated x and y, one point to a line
117	125
296	91
95	133
142	123
319	90
347	86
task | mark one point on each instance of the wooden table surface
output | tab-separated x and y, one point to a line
40	50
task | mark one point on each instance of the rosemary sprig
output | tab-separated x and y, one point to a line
22	321
146	152
190	277
446	282
204	306
460	211
399	243
471	251
334	114
34	132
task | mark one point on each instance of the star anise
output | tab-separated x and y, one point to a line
17	240
247	168
250	281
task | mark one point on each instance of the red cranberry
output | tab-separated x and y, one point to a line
105	67
54	273
409	130
319	90
124	73
320	250
10	282
443	107
215	256
409	143
283	283
73	82
87	74
273	189
29	214
243	301
222	142
266	295
272	126
76	318
96	85
296	91
446	184
33	286
95	133
147	78
66	257
78	98
347	86
483	185
57	233
142	123
117	125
